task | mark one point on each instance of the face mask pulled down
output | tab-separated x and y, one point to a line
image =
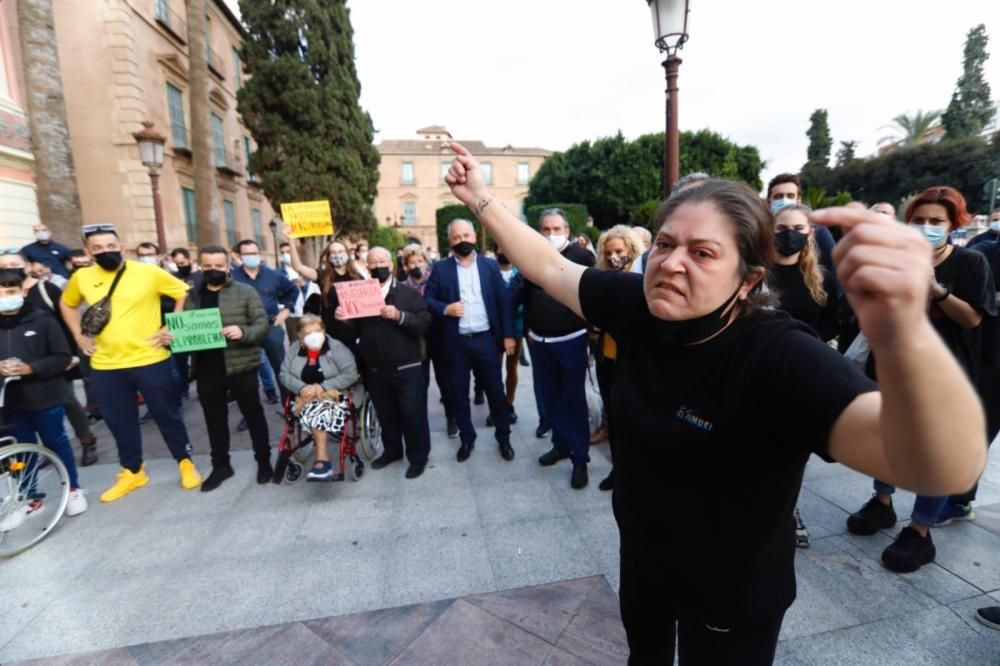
689	331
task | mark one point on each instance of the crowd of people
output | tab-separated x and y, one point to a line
728	345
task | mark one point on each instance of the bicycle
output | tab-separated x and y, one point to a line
34	484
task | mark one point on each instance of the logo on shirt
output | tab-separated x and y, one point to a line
685	414
28	334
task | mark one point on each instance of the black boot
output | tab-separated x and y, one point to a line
215	479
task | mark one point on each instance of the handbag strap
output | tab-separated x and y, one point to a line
114	283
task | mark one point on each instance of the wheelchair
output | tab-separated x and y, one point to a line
33	482
360	442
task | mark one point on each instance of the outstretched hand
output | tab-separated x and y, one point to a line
465	178
883	267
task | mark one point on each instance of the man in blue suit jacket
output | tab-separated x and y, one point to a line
467	294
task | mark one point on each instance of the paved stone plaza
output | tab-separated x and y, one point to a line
474	563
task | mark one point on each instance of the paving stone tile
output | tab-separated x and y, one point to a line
822	517
378	636
478	637
966	611
931	637
116	657
988	518
543	610
540	551
596	633
516	501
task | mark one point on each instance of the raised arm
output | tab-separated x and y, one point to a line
528	250
293	249
925	430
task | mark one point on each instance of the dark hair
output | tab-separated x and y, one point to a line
149	246
11	277
77	252
284	244
212	249
246	241
949	197
781	179
750	218
183	251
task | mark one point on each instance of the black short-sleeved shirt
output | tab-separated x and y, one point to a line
210	361
711	441
795	299
967	275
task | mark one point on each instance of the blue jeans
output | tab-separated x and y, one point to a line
115	392
561	374
925	510
266	374
273	345
47	424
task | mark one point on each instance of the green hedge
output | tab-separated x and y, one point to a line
388	237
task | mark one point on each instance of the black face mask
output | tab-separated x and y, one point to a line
415	273
184	271
689	331
109	261
463	249
790	241
381	273
502	258
215	277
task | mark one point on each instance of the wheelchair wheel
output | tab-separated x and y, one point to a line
34	491
371	432
303	453
293	472
355	468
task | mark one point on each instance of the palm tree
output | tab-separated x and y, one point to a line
55	176
913	128
202	152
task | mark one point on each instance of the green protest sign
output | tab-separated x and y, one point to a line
195	330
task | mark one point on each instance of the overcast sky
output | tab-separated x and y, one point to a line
550	73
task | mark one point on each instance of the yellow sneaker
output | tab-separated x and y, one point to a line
190	478
127	482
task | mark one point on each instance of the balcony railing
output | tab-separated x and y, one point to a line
228	162
180	138
170	19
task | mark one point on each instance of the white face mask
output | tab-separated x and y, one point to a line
148	260
286	258
171	266
558	240
995	225
314	340
43	235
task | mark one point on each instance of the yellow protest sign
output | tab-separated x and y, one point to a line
308	218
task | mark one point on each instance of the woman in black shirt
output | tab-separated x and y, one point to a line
804	289
718	393
335	265
961	294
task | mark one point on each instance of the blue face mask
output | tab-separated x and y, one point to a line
11	303
995	225
781	203
934	235
251	261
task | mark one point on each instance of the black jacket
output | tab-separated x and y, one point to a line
386	345
544	315
38	301
34	337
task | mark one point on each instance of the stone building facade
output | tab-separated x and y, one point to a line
126	61
411	179
18	201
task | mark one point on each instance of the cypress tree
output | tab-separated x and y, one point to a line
820	144
971	108
301	105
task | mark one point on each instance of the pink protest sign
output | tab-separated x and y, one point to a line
360	298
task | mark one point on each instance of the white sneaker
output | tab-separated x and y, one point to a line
16	518
77	503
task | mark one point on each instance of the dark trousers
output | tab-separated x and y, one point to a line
273	345
400	398
442	376
75	413
561	372
653	630
115	393
48	424
478	354
212	389
605	383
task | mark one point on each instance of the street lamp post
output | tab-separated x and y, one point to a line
151	153
275	224
670	30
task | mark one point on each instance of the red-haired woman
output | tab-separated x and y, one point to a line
961	294
335	265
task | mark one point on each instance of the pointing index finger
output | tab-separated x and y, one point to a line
848	217
459	149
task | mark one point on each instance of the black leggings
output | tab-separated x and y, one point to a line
653	630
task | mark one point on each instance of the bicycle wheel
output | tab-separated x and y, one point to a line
33	495
371	431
